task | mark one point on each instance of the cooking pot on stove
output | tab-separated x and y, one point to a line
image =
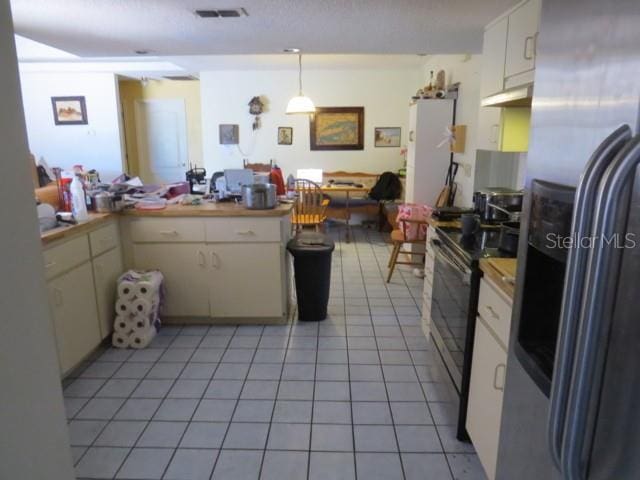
496	204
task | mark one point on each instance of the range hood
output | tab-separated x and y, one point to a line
513	97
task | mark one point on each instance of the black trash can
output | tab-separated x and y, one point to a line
312	264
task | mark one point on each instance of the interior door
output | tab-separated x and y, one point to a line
161	130
184	266
255	293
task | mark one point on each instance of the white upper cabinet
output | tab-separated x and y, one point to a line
521	38
493	55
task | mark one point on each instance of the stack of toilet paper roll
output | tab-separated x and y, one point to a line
138	306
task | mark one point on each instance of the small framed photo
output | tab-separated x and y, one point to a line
229	134
387	137
69	110
285	135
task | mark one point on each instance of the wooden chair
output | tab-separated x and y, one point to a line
310	207
398	238
258	167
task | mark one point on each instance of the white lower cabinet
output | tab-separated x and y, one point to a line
73	301
184	266
488	369
107	267
236	271
247	280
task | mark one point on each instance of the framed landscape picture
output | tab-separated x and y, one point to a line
285	135
387	136
337	128
69	110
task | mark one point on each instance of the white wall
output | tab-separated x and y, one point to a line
466	70
384	93
96	145
34	443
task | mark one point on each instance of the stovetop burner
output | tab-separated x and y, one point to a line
483	244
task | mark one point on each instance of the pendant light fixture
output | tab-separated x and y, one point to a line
300	104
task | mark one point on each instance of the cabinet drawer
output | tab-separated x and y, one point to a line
167	230
243	230
103	239
495	310
65	256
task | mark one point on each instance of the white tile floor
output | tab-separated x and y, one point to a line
359	395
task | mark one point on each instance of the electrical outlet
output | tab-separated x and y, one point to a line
467	169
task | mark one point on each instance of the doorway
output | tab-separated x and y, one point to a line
161	138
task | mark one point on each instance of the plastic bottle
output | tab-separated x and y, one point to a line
78	203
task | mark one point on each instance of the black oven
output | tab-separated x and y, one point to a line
450	308
456	284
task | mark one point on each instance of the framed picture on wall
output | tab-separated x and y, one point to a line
337	128
69	110
229	134
387	137
285	135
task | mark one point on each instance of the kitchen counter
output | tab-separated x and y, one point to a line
224	209
502	271
204	210
95	219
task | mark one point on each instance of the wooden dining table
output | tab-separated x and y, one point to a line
347	190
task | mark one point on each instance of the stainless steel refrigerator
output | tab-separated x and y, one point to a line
572	394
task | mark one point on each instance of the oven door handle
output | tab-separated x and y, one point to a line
574	285
595	313
439	249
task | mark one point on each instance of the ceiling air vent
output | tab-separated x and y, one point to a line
222	13
184	78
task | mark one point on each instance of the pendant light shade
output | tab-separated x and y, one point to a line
300	103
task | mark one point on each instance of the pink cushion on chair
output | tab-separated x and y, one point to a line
416	212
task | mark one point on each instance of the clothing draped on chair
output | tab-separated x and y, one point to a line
412	229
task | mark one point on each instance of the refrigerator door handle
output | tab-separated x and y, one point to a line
574	283
608	208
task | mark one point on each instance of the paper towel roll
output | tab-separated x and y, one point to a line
140	323
123	324
121	340
123	307
142	339
148	286
144	307
126	289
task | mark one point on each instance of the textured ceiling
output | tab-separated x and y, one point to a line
95	28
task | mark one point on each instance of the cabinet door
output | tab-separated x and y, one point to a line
493	58
75	317
485	397
489	128
246	280
521	38
106	270
184	266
